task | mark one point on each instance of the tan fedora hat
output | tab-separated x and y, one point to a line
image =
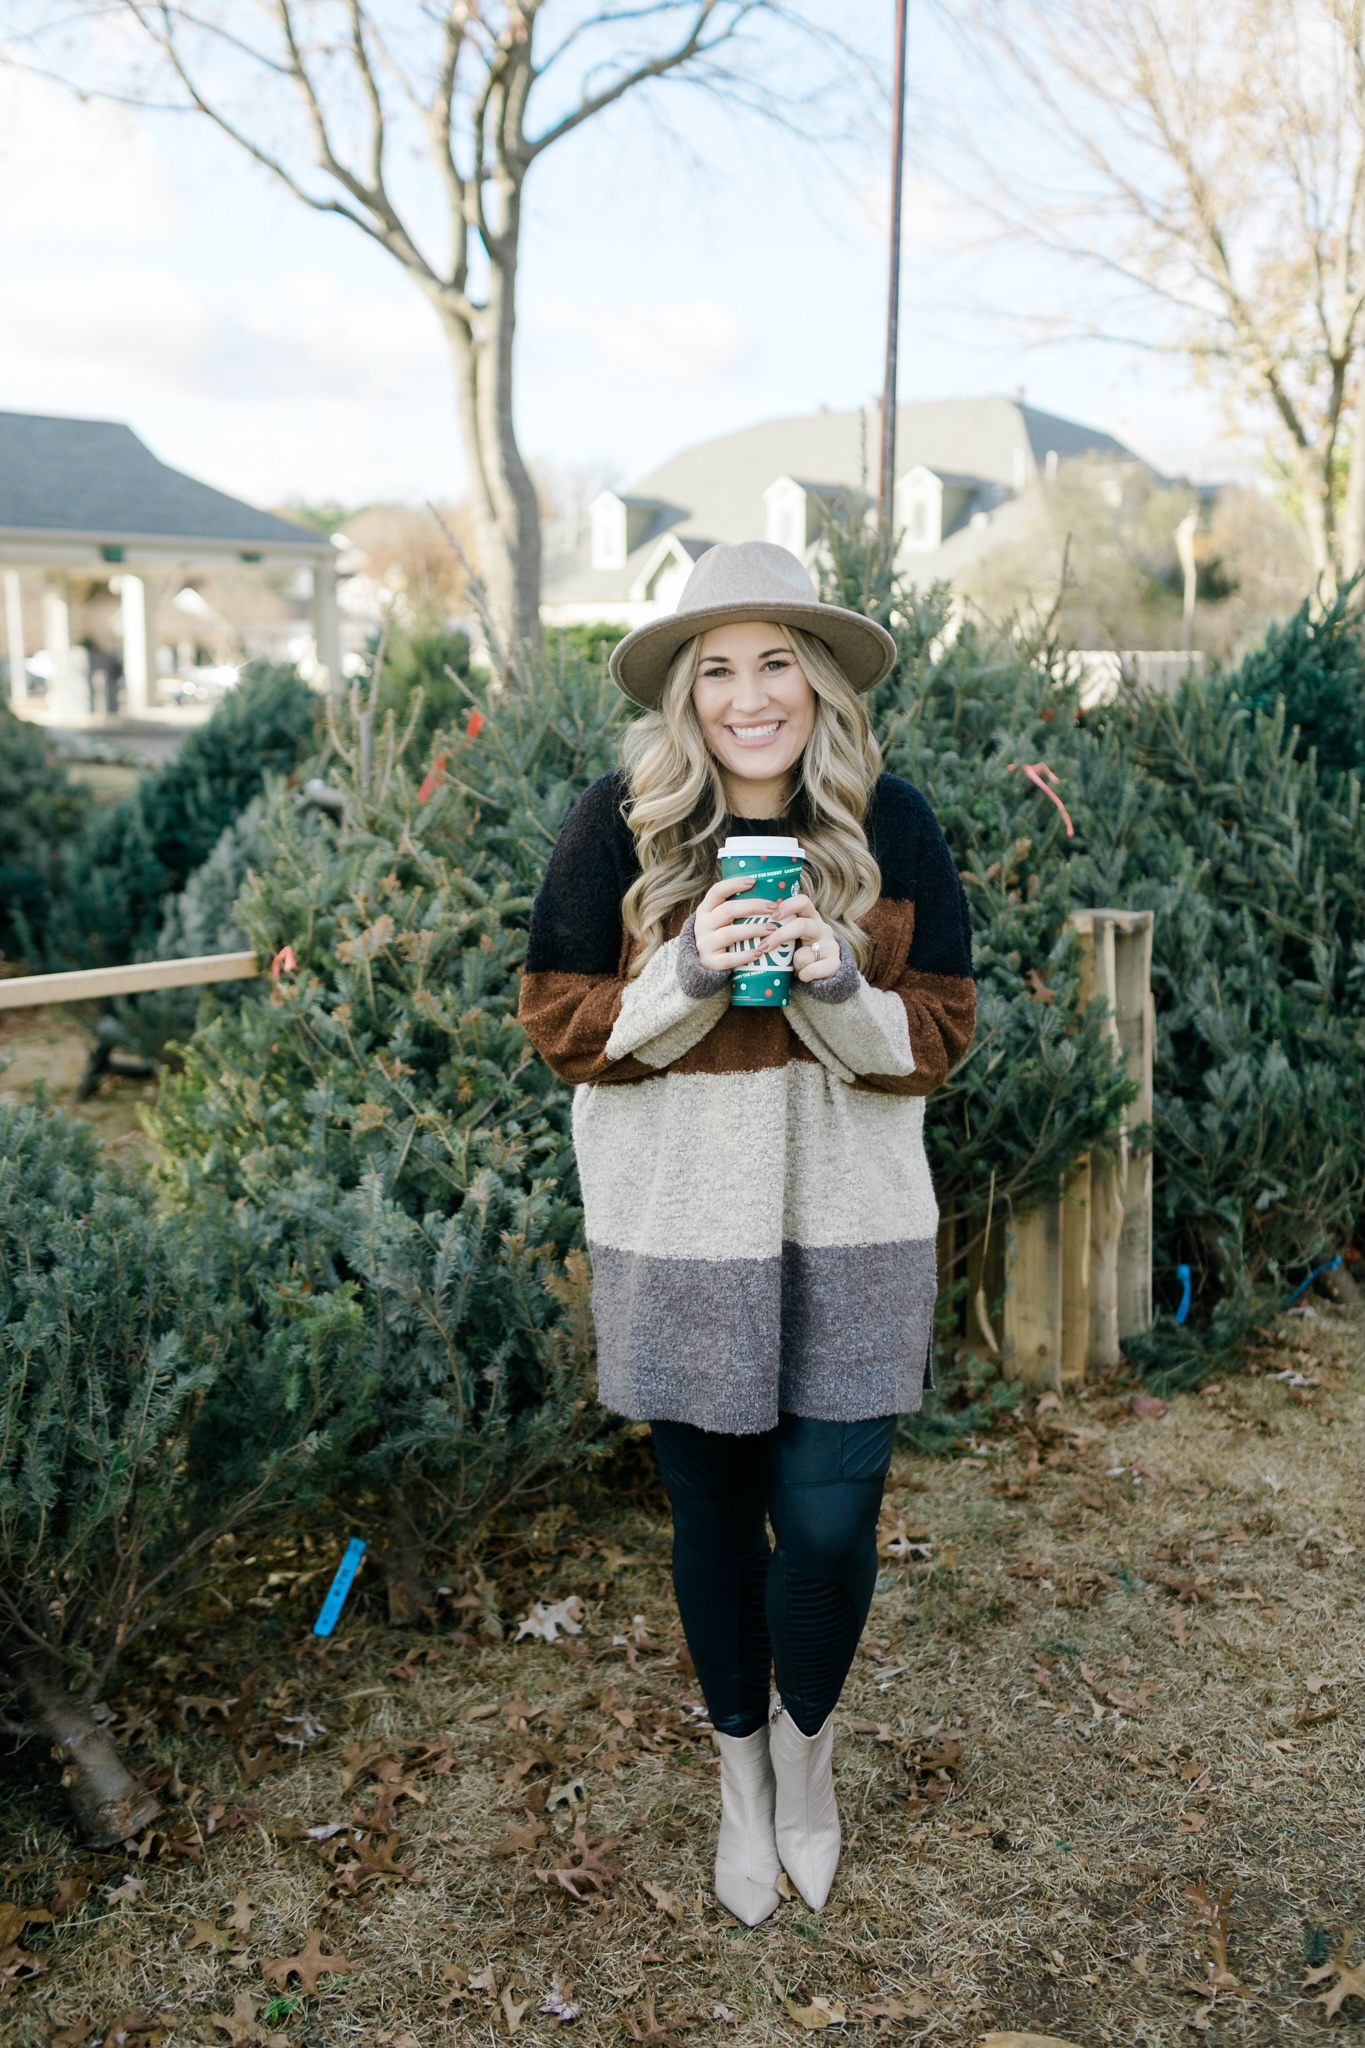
750	580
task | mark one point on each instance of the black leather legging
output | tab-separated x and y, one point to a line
798	1609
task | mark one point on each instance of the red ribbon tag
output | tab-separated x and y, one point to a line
432	780
1035	771
475	724
283	963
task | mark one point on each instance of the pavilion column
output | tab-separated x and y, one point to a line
14	636
327	621
133	606
64	694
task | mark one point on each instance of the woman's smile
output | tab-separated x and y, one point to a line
756	735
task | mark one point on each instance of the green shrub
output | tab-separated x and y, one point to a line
41	809
383	1120
1316	665
1199	808
437	664
138	852
151	1399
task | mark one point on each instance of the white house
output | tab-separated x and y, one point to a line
963	464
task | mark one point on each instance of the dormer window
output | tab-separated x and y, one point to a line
919	508
786	506
619	526
608	531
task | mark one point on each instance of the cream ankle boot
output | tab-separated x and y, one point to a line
807	1818
747	1865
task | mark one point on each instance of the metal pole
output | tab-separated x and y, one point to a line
887	481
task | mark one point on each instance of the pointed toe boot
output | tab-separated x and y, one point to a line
747	1866
807	1818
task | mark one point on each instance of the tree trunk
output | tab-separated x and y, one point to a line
1353	512
108	1802
1310	474
404	1557
506	515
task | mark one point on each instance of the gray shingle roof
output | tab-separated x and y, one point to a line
95	478
991	442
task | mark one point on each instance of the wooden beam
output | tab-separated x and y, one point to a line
27	990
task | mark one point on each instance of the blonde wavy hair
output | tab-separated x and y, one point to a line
676	805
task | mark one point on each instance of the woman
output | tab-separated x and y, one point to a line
758	1206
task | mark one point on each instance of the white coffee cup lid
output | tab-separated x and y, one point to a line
757	846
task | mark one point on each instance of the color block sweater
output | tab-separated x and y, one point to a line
759	1211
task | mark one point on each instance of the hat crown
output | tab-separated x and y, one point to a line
747	572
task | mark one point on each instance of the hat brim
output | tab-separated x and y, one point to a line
639	664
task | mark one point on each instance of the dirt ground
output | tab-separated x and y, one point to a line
53	1046
1096	1762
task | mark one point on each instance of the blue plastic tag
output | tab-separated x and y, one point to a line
340	1587
1182	1274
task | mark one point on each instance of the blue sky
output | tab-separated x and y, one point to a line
152	274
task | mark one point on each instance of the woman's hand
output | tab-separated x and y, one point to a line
817	951
715	929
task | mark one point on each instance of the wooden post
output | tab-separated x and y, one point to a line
1137	1038
1117	965
1075	1231
1033	1298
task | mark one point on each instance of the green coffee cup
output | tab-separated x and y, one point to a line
775	864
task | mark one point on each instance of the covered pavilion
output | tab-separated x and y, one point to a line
86	498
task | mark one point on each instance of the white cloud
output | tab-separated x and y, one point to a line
68	165
127	329
688	342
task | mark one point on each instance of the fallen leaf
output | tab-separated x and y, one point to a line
914	2006
558	2002
785	1888
145	2029
1350	1979
70	1893
1191	1823
655	2028
484	1980
513	2011
1214	1921
14	1919
819	2014
666	1901
242	1914
77	2035
1148	1407
590	1867
308	1965
402	2039
240	2026
127	1893
545	1621
203	1934
520	1838
1011	2039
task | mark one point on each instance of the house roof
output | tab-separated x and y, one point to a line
984	441
94	479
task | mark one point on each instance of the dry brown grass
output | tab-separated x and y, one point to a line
1095	1768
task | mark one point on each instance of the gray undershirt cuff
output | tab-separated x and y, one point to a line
835	988
694	980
